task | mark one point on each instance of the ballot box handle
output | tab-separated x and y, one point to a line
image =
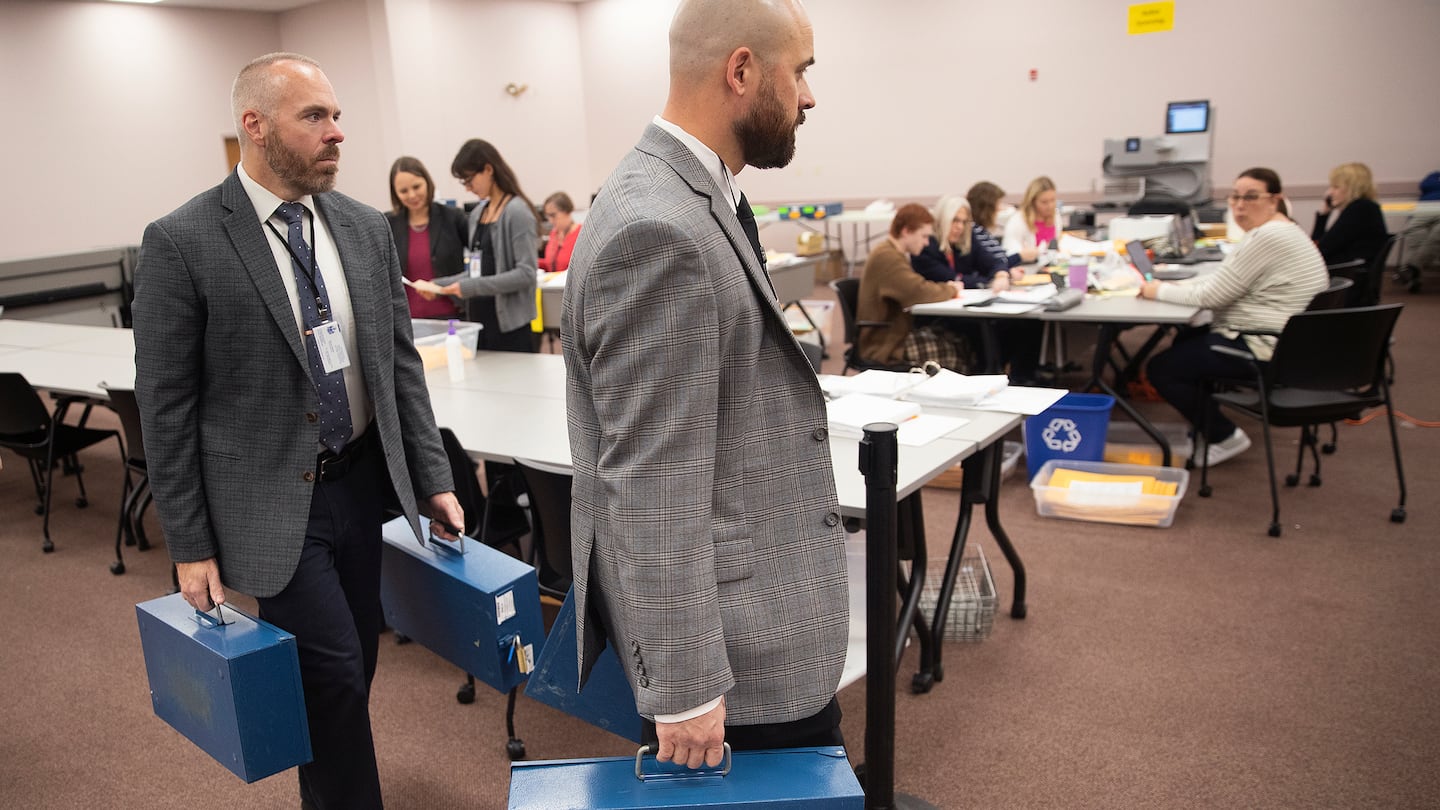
723	770
218	620
441	544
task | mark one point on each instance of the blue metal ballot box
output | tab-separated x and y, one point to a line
233	689
607	701
789	778
476	607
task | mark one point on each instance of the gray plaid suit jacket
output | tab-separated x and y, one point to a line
224	385
707	539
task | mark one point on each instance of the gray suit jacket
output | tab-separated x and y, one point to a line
516	262
706	528
226	401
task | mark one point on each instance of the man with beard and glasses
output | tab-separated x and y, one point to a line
707	540
284	405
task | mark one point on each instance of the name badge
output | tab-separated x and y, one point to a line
475	264
330	342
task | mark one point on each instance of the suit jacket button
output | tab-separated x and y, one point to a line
820	434
832	519
308	476
643	681
312	418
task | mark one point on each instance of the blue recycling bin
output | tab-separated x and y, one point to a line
1072	429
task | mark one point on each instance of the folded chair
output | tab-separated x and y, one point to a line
1327	366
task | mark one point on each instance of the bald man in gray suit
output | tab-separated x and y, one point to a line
707	541
283	405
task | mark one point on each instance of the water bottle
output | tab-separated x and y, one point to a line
454	356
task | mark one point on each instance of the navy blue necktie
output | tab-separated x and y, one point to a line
752	231
335	423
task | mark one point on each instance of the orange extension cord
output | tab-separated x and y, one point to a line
1404	417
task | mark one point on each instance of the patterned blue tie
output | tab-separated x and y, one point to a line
335	423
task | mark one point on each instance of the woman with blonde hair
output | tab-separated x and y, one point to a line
1358	231
1036	223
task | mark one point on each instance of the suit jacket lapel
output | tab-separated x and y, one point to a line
359	275
253	246
663	145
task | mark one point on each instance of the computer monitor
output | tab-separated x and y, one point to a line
1184	117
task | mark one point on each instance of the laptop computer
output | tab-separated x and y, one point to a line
1135	249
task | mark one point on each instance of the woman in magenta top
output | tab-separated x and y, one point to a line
563	232
429	237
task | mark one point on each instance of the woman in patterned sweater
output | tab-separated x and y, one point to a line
1272	274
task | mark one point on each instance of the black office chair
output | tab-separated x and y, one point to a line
847	290
549	488
1335	295
44	440
135	496
1376	273
1327	366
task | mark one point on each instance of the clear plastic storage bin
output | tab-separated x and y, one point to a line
1109	493
430	339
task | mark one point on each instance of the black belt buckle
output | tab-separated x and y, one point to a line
333	466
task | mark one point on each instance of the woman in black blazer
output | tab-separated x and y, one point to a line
429	237
1358	231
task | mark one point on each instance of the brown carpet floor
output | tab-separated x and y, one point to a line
1204	665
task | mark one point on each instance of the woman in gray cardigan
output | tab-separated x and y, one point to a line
498	288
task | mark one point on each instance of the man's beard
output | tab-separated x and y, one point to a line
300	172
767	133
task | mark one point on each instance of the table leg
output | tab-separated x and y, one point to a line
1103	344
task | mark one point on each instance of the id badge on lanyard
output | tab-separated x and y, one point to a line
330	343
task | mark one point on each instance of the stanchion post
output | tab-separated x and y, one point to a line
879	462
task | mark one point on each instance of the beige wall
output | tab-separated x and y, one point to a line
115	113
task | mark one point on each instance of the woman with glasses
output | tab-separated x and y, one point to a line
1272	274
498	287
564	230
1358	231
429	237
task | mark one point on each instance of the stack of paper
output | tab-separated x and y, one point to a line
1037	294
948	389
850	414
888	384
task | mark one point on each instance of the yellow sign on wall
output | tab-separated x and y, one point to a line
1149	18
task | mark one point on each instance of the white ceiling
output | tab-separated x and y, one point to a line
266	5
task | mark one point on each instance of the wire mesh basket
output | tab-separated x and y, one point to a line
972	606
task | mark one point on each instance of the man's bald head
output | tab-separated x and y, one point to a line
704	33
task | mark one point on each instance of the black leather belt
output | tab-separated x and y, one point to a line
334	466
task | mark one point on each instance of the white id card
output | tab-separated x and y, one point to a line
330	341
475	265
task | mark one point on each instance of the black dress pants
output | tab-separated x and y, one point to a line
1181	373
332	605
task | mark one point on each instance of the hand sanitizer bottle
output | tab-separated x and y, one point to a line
454	355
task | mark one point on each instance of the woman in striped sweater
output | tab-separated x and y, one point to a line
1272	274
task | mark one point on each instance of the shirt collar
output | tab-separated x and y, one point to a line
724	180
264	199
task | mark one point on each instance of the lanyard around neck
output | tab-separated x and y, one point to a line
322	310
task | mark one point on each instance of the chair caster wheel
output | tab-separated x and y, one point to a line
465	695
117	568
1274	529
1314	480
47	546
1327	449
39	510
81	503
1205	491
1397	515
515	749
922	682
1292	480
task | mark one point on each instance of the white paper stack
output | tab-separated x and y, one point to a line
948	389
876	382
849	414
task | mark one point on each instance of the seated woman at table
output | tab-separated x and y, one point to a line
429	237
1035	224
1358	231
888	287
984	198
953	257
1272	274
564	230
504	233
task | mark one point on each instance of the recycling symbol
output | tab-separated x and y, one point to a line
1062	435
